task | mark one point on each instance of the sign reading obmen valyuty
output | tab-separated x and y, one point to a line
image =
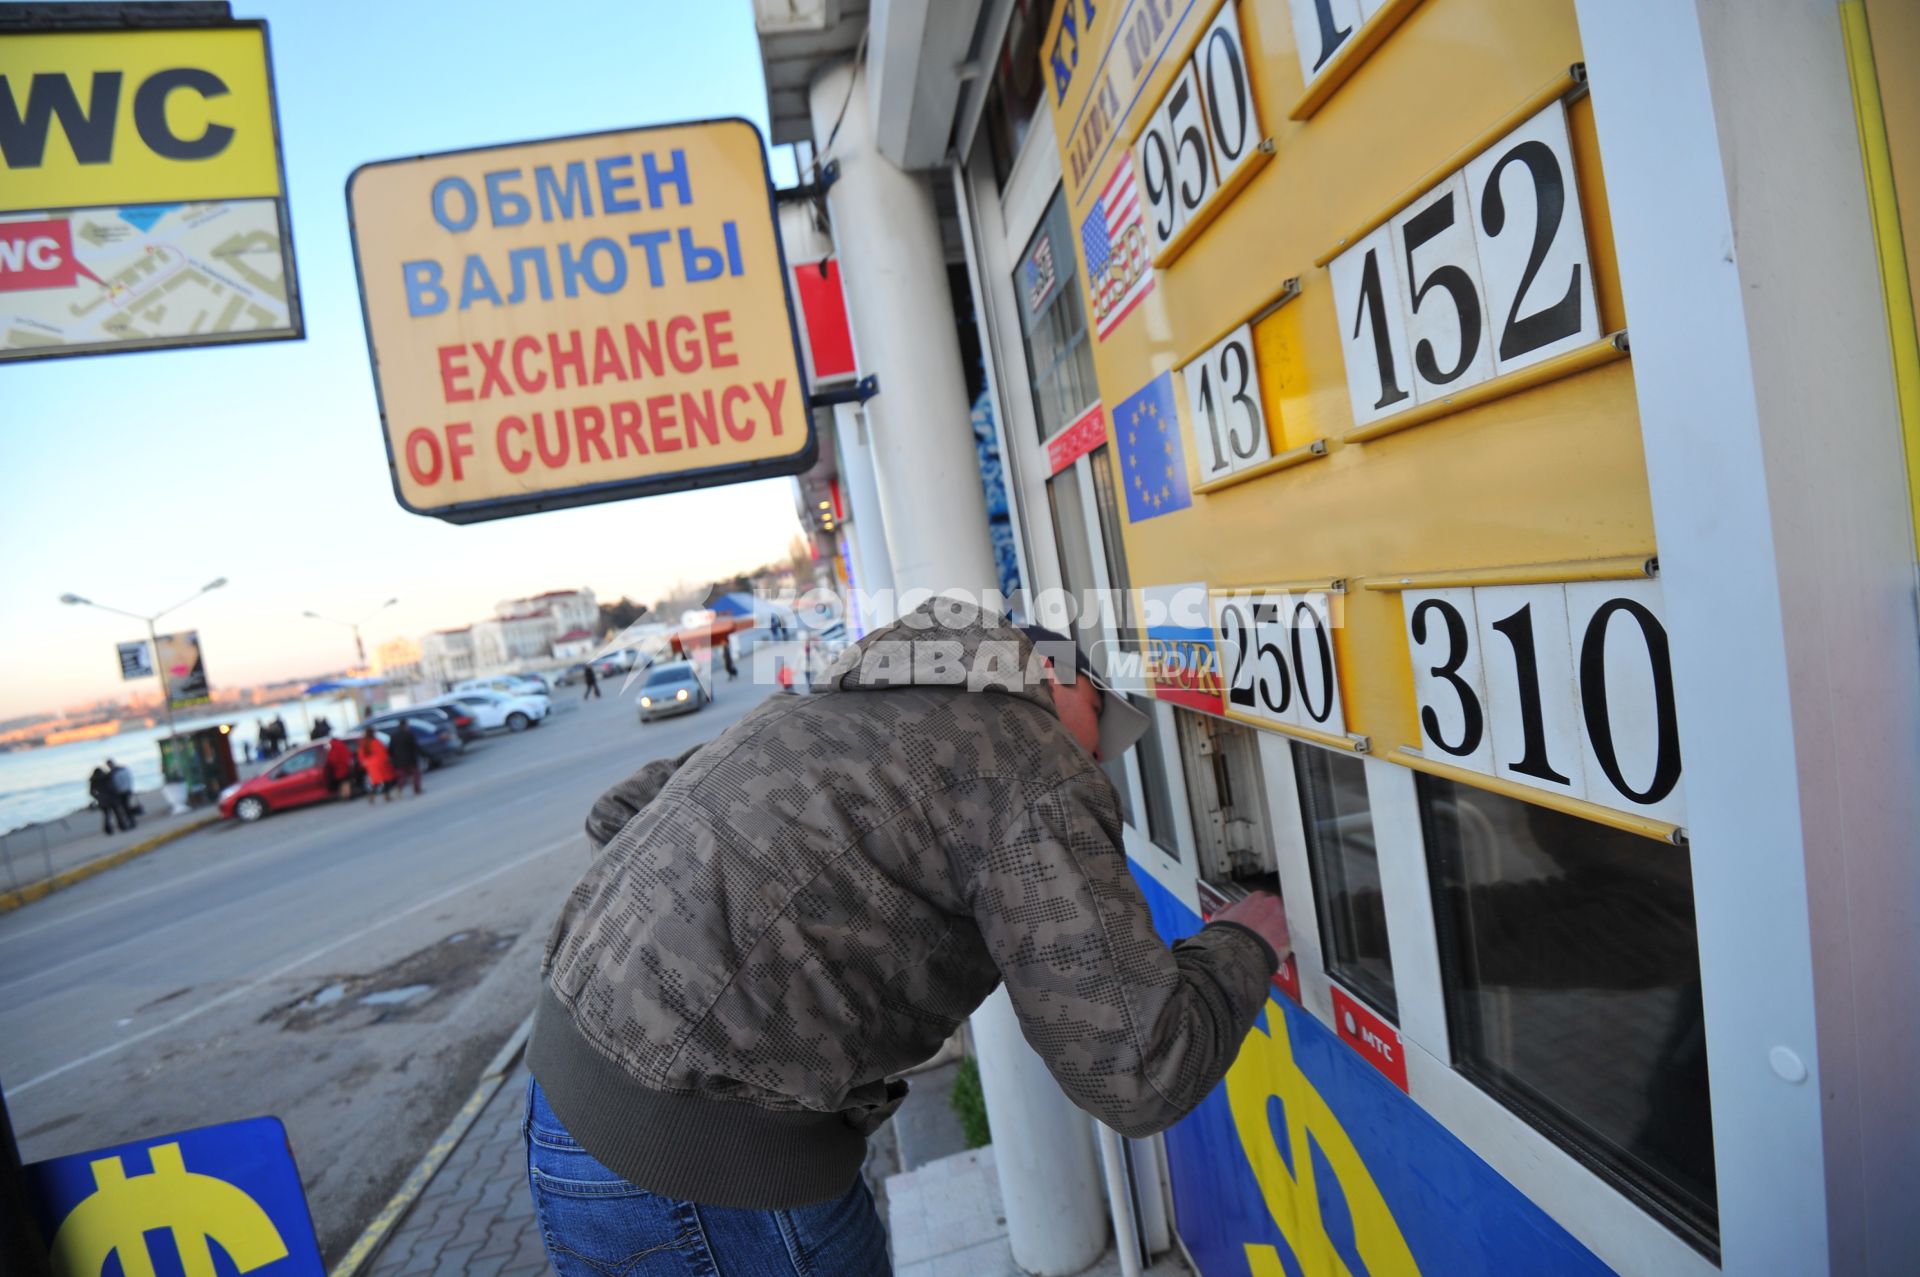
579	320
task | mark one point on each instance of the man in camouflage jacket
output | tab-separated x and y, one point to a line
778	923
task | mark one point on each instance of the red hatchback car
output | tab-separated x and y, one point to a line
296	780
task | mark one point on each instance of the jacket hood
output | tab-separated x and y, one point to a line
945	642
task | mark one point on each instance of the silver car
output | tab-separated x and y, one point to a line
671	689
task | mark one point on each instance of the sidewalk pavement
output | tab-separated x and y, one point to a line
476	1216
29	871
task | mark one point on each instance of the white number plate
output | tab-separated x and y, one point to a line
1566	688
1484	274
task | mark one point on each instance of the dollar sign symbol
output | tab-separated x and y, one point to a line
115	1217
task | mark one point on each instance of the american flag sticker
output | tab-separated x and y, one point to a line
1041	277
1119	263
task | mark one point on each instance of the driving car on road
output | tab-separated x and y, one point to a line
495	710
671	689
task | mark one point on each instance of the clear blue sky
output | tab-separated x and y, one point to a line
134	479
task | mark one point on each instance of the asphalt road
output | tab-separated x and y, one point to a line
347	968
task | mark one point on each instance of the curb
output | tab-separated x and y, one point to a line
376	1233
14	899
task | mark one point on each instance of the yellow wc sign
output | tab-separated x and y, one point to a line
232	1190
142	203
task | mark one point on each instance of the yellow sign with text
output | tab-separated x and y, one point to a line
579	320
92	119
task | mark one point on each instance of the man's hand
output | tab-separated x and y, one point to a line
1263	914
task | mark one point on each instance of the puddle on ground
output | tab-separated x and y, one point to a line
415	987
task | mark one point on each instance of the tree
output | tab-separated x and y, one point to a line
618	616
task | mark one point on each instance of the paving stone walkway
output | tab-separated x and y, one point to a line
476	1216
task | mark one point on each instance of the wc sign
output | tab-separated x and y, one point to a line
39	254
142	203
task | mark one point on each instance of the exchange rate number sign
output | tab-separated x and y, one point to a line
1276	650
1225	406
1483	275
1566	688
1203	134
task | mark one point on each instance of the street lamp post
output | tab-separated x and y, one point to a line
359	647
153	637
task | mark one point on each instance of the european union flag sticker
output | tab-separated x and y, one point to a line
1153	465
217	1200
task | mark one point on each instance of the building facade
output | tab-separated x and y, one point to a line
446	656
1409	402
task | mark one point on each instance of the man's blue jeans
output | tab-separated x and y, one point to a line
595	1224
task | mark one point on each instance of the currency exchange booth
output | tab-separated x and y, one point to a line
1314	340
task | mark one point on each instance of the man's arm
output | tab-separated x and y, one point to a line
1135	1033
613	809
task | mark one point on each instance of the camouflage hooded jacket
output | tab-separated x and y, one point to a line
778	922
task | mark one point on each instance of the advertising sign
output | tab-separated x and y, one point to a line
136	660
184	668
579	320
231	1190
142	204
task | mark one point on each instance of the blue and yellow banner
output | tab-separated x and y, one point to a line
216	1200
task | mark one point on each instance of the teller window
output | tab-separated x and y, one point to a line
1571	972
1345	863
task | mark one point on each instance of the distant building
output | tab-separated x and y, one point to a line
399	661
503	642
571	609
574	645
446	656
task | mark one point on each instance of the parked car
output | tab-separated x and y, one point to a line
439	742
295	781
674	688
575	673
493	710
456	716
507	684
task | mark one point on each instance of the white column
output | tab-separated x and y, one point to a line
1043	1149
927	479
1761	366
859	488
895	273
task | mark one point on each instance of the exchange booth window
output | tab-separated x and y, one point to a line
1053	323
1572	976
1346	873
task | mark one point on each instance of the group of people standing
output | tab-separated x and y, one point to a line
380	767
273	737
112	788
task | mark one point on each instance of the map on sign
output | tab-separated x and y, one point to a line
144	273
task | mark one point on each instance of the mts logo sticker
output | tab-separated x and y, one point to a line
1371	1036
40	255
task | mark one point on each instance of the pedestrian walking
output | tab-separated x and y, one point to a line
783	674
403	752
122	777
726	656
100	786
340	767
593	684
811	905
378	766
